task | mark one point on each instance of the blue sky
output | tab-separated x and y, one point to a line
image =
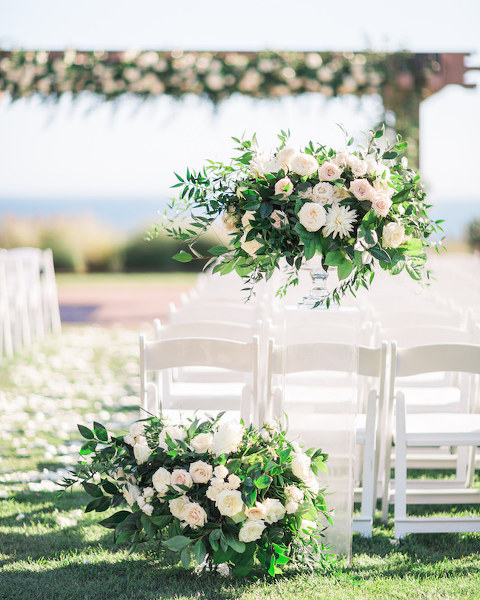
72	152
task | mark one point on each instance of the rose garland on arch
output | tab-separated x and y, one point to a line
211	491
358	209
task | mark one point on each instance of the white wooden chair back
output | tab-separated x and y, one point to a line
6	344
31	259
213	311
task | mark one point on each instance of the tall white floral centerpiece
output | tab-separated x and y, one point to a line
356	209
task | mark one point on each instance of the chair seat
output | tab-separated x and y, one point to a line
425	429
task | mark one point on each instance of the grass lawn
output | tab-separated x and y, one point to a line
125	279
51	550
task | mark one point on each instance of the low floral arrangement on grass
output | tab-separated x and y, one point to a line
358	209
212	491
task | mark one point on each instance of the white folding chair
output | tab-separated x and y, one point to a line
158	355
18	302
51	309
335	357
215	311
6	344
461	428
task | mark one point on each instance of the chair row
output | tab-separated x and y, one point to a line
28	298
186	369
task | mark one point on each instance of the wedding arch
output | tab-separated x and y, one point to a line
401	79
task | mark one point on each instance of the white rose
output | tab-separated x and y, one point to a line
148	492
329	171
279	218
194	515
201	443
141	440
128	439
393	235
381	203
147	509
312	216
358	166
161	481
174	432
218	483
265	435
131	493
212	492
284	186
261	164
312	484
372	165
251	531
275	510
221	471
306	194
137	429
177	506
257	512
322	193
361	189
141	501
201	472
251	247
300	466
180	477
227	438
294	493
381	185
233	482
341	159
141	453
230	222
339	193
229	502
285	157
247	217
304	164
291	507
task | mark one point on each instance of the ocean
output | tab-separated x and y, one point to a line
135	214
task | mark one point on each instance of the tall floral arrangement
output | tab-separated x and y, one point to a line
358	209
211	492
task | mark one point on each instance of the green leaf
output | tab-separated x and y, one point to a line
100	432
218	250
99	504
183	256
85	432
110	488
177	543
115	519
185	558
200	551
92	489
263	482
284	454
147	524
124	537
390	155
243	569
161	521
88	448
309	248
413	246
235	544
380	254
265	209
335	258
345	269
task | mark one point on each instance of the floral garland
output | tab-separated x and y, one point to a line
211	491
357	209
216	75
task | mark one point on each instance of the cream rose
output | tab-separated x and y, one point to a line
257	512
358	166
251	247
304	164
201	443
312	216
177	506
381	185
279	218
312	484
234	482
275	510
194	515
142	453
174	432
148	492
247	217
137	428
147	509
300	466
201	472
284	186
291	507
128	439
306	194
251	531
393	235
329	171
212	493
292	492
285	157
361	189
230	222
161	481
131	493
180	477
322	193
229	502
381	203
227	438
221	471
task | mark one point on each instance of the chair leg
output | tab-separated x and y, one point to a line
368	469
400	469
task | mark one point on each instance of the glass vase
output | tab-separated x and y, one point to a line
316	298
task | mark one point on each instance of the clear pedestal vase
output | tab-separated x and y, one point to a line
316	298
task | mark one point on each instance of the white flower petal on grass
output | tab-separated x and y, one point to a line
339	221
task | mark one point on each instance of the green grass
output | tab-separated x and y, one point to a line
91	373
125	279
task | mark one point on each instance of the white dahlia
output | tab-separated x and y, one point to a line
339	221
